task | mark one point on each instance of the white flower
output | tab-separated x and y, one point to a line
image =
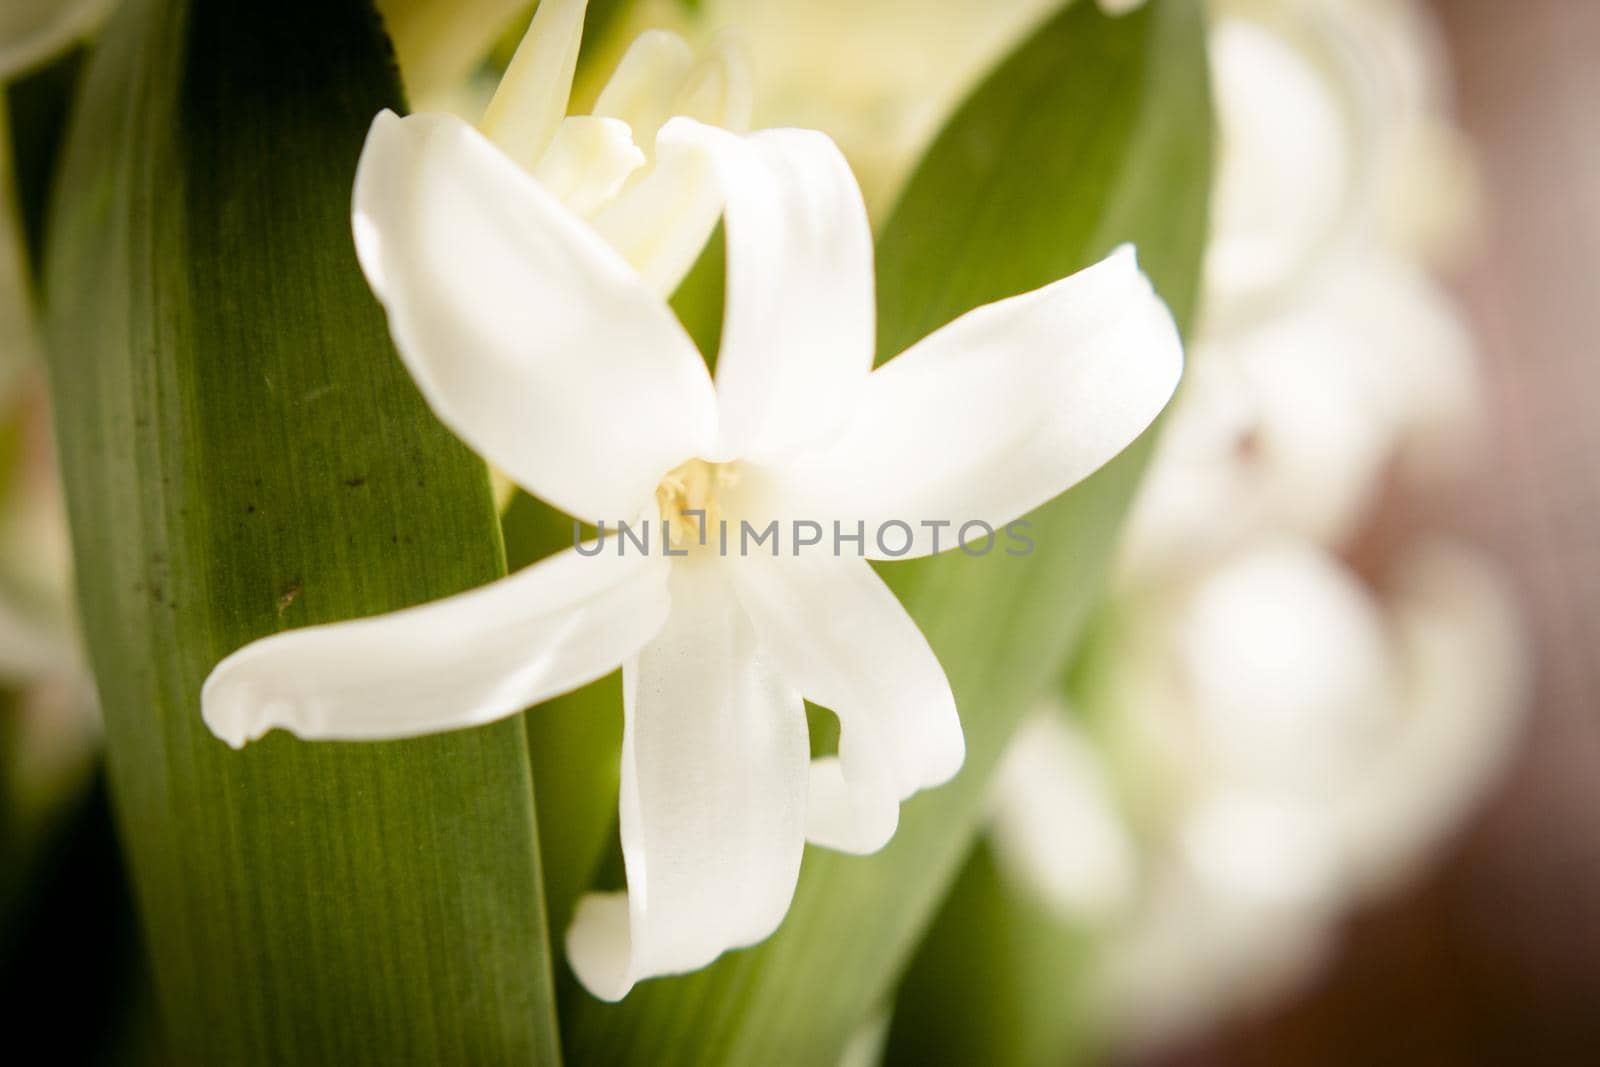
1334	135
1288	156
1295	742
547	353
1236	912
1292	425
655	202
1424	168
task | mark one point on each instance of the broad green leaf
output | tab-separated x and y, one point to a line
997	981
244	453
1096	131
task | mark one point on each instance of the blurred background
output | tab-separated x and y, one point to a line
1325	786
1493	956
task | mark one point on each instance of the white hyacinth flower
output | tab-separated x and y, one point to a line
1293	425
655	201
1334	135
1296	742
1292	127
548	353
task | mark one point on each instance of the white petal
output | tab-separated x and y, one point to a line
996	413
588	161
532	98
659	78
798	329
32	31
712	802
660	222
457	662
719	89
646	83
531	339
667	210
833	629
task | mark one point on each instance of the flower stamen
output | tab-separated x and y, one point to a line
689	500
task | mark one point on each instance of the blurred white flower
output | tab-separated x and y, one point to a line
53	726
1428	198
1335	136
55	729
1463	682
38	640
1282	674
544	350
1286	742
1055	826
1293	742
1289	152
1293	423
1230	916
1284	739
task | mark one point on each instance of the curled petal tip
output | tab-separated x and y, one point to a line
598	945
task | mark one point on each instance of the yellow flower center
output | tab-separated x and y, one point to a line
689	499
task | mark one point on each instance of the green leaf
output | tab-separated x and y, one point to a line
998	981
1096	131
244	453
